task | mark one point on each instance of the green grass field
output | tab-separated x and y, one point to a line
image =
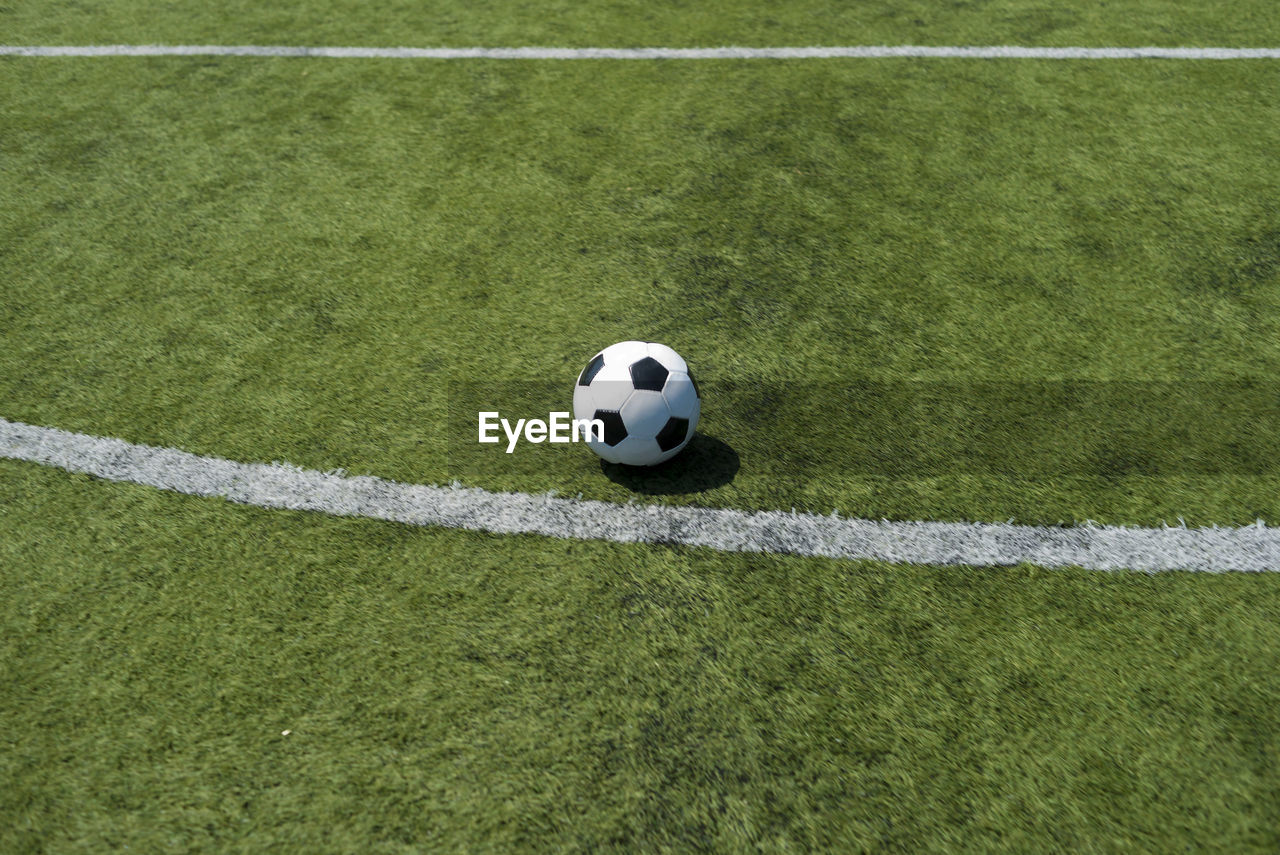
911	289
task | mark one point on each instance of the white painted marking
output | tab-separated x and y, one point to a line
277	485
846	52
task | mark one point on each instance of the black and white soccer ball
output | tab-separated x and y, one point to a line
646	399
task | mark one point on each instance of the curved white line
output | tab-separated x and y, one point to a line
277	485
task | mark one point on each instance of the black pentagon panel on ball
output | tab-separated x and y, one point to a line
614	429
696	390
648	373
593	368
672	433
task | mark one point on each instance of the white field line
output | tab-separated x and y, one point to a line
276	485
847	52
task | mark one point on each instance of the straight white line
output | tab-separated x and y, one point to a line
277	485
847	52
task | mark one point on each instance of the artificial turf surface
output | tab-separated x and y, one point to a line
1038	290
910	289
628	23
452	691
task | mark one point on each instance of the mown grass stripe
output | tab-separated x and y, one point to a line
729	52
278	485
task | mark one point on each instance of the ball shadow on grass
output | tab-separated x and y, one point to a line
705	463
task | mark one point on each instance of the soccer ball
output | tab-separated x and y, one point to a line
644	395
